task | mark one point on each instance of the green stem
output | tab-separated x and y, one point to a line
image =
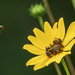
65	66
41	22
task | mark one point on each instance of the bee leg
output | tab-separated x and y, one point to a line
47	53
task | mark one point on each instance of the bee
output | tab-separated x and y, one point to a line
55	48
1	27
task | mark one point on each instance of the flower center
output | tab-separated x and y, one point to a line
54	49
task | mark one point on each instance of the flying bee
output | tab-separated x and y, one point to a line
1	27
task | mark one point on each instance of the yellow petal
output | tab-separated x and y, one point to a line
61	55
69	46
55	30
41	63
48	31
36	42
61	29
57	58
39	66
52	59
34	50
40	35
70	34
34	60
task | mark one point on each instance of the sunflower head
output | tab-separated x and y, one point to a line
51	45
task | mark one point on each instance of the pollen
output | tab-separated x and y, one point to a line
54	49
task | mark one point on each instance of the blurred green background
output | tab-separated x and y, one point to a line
18	24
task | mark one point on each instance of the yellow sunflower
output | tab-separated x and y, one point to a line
51	45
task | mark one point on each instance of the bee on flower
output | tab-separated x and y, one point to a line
51	45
